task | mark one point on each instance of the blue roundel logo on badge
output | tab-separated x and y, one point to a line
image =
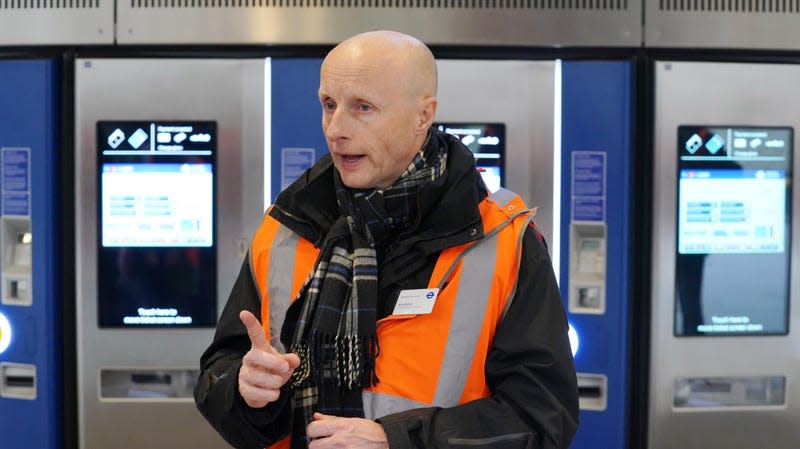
430	295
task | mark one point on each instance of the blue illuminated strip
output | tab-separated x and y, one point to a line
732	174
157	168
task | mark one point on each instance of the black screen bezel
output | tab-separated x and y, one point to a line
683	131
106	317
501	129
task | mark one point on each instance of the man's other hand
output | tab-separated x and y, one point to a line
264	370
335	432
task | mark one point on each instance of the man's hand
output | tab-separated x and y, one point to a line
264	370
335	432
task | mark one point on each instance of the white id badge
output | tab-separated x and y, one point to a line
416	302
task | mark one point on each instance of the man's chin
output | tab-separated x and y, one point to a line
354	182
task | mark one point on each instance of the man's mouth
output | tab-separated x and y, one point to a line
351	158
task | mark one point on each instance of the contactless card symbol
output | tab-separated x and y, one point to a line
137	138
694	143
179	138
714	144
116	138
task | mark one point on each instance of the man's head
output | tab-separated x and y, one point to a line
378	96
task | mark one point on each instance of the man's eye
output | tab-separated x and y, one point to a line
363	107
329	106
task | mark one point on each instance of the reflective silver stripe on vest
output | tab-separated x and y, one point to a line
473	293
502	196
518	255
382	404
279	281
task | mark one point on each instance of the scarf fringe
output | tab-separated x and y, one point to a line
353	363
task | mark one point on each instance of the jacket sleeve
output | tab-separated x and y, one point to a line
529	371
217	394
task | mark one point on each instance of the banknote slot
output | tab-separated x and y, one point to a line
18	381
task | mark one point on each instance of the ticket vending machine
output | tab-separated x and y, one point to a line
168	185
596	199
30	307
723	367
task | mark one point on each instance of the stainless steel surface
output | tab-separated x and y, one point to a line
717	93
53	22
232	92
755	24
482	22
521	95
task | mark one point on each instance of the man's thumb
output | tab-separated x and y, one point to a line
292	359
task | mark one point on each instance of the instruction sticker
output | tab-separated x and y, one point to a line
15	166
295	161
588	186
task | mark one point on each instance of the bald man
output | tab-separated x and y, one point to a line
388	300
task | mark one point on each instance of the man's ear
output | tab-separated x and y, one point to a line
427	112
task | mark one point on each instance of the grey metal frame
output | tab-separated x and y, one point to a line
734	24
752	24
727	94
232	92
480	22
56	22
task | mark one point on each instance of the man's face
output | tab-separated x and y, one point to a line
370	121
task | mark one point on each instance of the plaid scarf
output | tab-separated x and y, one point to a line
332	324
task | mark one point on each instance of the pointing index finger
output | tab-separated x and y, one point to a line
258	338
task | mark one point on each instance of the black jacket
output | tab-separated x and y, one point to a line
529	368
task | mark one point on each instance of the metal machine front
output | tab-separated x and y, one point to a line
723	368
168	185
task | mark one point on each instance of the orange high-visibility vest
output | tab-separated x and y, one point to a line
436	359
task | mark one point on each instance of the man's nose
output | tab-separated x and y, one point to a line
336	128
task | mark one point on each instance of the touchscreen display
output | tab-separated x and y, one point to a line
733	230
156	232
487	143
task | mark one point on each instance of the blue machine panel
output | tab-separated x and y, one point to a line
296	119
596	124
28	132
